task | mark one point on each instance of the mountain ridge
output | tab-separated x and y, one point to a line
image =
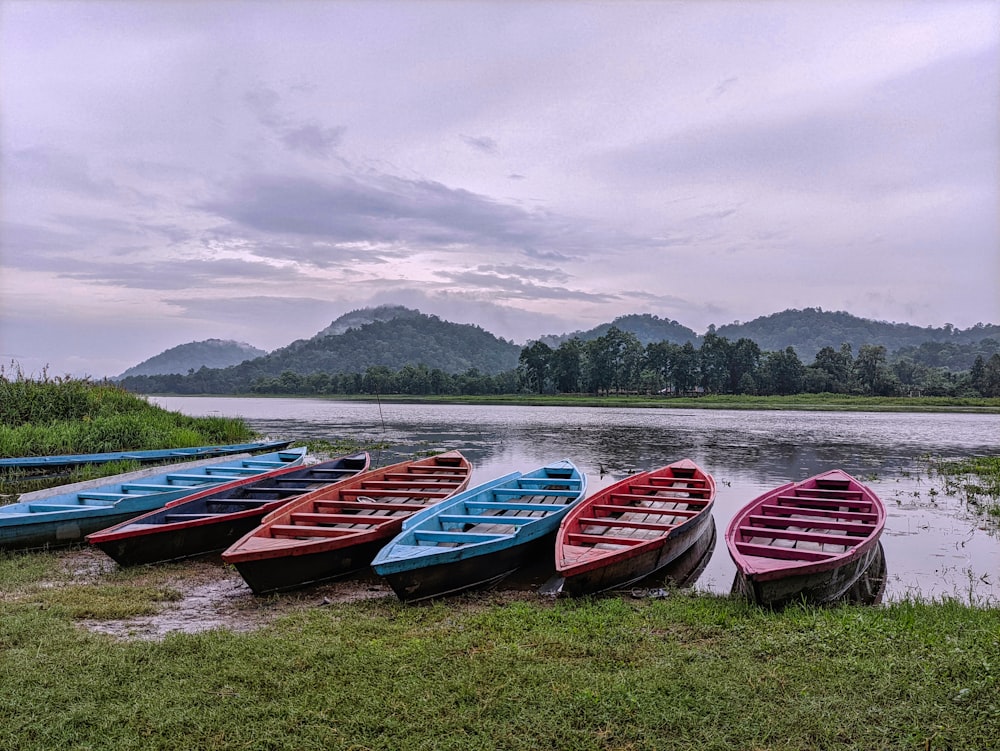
394	336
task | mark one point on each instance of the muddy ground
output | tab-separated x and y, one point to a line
214	595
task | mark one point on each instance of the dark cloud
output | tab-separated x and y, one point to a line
313	140
384	209
484	144
306	137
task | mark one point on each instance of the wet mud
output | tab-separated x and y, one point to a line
212	596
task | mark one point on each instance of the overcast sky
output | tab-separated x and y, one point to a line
179	171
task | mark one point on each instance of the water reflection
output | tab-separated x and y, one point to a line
935	546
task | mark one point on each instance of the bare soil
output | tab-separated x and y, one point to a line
213	595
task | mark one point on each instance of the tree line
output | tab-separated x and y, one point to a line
618	363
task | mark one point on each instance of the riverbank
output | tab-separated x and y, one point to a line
506	669
805	402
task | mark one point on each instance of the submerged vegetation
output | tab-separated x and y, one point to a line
977	479
501	670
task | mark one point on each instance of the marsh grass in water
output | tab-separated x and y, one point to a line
497	671
976	479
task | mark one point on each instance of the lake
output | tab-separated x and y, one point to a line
934	546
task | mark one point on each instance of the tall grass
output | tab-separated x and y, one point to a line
47	416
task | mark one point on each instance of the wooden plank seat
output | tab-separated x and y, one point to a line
638	497
786	554
514	506
302	530
391	484
311	519
100	499
141	487
281	492
852	495
804	502
201	479
242	503
581	538
440	473
607	521
431	535
760	520
861	516
360	492
643	489
803	536
492	520
42	508
547	492
332	505
613	508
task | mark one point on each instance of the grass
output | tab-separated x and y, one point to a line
820	402
493	672
55	416
977	479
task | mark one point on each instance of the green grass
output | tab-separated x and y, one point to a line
77	416
821	402
494	672
977	479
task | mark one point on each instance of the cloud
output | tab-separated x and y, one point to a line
485	144
384	209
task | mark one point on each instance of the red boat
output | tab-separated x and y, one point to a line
808	541
629	530
213	519
337	531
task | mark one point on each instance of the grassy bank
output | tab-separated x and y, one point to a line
820	402
79	416
499	671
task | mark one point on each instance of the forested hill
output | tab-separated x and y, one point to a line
648	329
811	329
410	339
211	353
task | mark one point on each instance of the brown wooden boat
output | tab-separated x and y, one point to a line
630	530
808	541
337	531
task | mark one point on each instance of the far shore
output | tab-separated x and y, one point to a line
805	402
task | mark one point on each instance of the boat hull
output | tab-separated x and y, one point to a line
809	541
467	574
335	532
818	588
66	518
266	576
626	571
210	521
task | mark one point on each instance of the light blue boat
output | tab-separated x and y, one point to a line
56	519
481	535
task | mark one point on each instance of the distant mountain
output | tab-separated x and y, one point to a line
811	329
211	353
358	318
646	328
404	337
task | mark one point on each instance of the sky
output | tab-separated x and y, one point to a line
177	171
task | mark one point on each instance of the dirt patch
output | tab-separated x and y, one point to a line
213	595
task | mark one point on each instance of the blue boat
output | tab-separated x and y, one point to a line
59	519
211	520
66	461
481	535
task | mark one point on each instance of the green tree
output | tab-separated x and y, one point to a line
782	373
534	364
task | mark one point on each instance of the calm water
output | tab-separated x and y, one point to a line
934	547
